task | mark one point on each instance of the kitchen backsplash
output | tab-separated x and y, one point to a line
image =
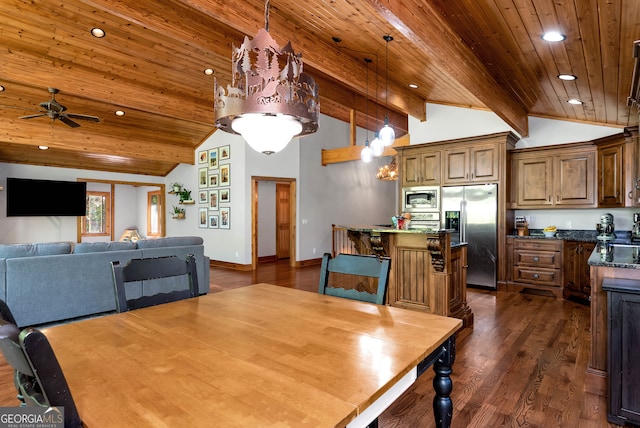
581	219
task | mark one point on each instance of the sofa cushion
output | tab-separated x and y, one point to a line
172	241
30	250
96	247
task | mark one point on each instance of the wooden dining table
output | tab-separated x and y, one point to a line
261	355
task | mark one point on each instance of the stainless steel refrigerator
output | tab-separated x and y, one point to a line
472	213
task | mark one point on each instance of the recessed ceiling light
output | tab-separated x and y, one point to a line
208	71
413	86
97	32
1	88
566	77
43	147
553	36
119	113
574	101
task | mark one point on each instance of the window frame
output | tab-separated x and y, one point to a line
108	215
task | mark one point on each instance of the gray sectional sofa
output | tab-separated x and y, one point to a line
50	282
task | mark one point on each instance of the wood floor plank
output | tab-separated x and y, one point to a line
522	365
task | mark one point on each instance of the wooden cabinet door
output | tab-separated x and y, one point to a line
571	267
484	164
534	181
624	329
586	248
430	168
456	166
611	176
410	169
575	179
421	168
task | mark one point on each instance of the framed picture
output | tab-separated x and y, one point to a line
203	197
225	152
213	221
225	195
213	180
213	199
225	218
213	158
202	156
202	178
225	175
202	217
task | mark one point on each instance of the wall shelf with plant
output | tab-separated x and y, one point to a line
178	213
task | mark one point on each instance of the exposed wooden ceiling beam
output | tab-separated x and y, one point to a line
439	41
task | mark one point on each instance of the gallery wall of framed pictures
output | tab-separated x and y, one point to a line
214	188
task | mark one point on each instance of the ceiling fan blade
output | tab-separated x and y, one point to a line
64	119
83	117
33	115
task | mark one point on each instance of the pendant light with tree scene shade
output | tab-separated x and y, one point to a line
270	100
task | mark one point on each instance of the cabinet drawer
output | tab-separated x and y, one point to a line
537	276
538	244
546	259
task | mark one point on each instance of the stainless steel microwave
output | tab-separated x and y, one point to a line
421	199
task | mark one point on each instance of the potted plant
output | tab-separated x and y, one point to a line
185	195
178	212
176	187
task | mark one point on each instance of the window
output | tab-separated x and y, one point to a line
97	222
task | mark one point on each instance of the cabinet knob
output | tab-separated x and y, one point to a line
536	276
536	259
630	195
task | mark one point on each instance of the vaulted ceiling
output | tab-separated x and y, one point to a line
484	54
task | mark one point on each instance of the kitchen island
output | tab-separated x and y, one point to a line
428	271
607	262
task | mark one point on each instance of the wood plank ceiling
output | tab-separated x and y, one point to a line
484	54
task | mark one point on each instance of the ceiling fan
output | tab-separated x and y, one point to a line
55	110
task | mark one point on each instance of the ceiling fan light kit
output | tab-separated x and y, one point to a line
270	100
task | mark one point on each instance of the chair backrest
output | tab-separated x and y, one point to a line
5	313
37	373
140	270
49	375
371	268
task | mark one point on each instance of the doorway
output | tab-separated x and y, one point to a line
285	218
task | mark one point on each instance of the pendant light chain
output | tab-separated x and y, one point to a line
266	15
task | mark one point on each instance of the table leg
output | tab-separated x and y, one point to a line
442	404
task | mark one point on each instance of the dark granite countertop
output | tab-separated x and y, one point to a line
622	237
388	229
616	255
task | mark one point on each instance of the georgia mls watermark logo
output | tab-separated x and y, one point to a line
31	417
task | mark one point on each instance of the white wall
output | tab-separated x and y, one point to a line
52	229
344	193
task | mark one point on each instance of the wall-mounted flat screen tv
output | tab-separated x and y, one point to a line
28	197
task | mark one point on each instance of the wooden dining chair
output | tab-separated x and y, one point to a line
5	313
155	275
368	276
38	375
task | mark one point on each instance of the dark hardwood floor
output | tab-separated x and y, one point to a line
522	365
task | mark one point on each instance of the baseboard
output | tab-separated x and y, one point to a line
268	259
241	267
228	265
309	262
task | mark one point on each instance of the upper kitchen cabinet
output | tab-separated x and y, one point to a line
611	172
478	163
421	167
554	176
